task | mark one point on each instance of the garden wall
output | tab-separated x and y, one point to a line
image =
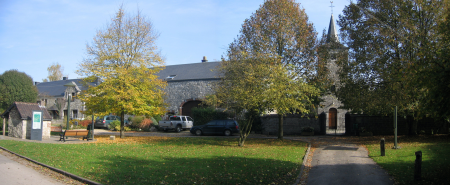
292	124
384	125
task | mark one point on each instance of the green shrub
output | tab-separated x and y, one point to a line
204	115
115	125
136	121
157	118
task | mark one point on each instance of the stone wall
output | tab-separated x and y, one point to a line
292	124
178	92
16	127
46	128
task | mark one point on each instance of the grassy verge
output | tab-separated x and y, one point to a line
400	163
163	160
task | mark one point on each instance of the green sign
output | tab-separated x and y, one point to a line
37	116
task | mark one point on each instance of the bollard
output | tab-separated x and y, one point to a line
418	166
382	148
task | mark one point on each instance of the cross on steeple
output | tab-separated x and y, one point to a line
331	7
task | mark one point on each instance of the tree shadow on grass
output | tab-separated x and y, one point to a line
214	170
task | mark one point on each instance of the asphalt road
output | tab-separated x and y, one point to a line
14	173
345	164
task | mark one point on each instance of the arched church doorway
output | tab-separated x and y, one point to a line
187	107
332	118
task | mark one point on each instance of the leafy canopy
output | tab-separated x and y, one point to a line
124	58
16	86
392	51
280	29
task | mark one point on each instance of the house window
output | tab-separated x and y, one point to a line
171	77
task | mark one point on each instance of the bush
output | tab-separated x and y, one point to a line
136	121
204	115
157	119
85	123
145	124
115	125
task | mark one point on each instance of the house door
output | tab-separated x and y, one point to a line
332	119
187	107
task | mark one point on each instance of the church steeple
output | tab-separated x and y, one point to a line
332	32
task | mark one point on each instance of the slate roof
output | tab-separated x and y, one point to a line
57	88
332	32
195	71
26	110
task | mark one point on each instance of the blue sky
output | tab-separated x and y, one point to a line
36	33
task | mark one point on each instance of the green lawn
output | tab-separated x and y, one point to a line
400	163
161	160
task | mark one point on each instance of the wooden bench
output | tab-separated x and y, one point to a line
74	133
56	129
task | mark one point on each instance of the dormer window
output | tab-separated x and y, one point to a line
171	77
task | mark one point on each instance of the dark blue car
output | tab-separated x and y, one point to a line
225	127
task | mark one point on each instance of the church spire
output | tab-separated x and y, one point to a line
332	32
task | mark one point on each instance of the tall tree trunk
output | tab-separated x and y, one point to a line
280	126
122	124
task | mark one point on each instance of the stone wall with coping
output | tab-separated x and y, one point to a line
292	124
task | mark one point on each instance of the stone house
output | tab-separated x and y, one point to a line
53	95
18	116
188	85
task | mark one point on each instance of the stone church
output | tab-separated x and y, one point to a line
331	106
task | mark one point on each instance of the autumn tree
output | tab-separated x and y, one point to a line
391	44
279	29
258	84
124	58
55	72
16	86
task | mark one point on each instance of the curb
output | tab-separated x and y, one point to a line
305	158
73	176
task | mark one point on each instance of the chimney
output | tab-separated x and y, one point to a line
204	59
35	83
64	78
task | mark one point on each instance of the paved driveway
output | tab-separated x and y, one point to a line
347	164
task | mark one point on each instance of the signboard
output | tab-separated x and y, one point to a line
37	117
36	128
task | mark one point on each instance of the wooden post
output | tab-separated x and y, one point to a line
4	125
382	148
418	166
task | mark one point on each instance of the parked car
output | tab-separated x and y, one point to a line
106	120
176	123
225	127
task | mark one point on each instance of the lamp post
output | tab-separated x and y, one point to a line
68	85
